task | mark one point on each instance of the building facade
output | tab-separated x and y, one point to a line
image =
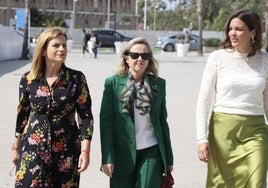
84	13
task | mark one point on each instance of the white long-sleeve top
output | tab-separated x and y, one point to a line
144	131
232	83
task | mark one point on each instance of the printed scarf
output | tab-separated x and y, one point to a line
140	97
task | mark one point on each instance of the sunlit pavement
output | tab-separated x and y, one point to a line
182	74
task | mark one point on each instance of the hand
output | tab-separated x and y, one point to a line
203	151
108	169
170	168
14	148
15	157
83	162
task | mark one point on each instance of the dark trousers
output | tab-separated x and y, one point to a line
95	51
85	48
147	174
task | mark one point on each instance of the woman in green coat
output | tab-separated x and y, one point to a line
135	140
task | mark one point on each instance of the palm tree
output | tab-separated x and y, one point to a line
55	21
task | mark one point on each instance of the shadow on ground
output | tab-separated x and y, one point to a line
11	65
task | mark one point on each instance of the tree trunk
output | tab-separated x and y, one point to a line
266	23
25	51
200	26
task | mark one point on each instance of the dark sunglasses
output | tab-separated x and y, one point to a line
144	56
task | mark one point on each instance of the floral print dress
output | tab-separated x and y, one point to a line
50	135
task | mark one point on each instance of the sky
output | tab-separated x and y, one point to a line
171	5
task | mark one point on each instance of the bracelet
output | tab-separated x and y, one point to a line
85	151
14	147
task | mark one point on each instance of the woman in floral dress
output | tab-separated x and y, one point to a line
51	149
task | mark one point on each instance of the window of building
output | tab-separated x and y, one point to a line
123	4
129	3
95	4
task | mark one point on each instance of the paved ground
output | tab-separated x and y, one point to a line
183	76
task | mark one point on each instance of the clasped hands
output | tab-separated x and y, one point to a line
107	169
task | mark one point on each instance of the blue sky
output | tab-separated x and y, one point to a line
172	4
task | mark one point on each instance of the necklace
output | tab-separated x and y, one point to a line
51	80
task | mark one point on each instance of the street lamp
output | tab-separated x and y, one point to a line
145	16
108	14
155	7
73	19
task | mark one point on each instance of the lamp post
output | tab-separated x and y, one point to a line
73	19
155	7
136	11
136	7
108	14
145	16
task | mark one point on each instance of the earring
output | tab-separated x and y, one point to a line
253	40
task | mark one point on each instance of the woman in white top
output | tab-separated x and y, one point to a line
232	106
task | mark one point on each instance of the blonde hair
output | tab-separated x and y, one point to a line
38	61
123	66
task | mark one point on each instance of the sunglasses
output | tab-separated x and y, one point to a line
144	56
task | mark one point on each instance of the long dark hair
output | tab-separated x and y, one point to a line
253	22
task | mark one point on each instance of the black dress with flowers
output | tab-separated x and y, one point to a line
50	135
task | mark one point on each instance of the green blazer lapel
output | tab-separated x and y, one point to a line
122	82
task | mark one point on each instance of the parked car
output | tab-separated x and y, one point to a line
168	41
107	37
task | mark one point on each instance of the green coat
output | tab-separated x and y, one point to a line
117	129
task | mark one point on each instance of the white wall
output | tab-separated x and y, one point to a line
10	43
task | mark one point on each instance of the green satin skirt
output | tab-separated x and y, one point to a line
239	151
